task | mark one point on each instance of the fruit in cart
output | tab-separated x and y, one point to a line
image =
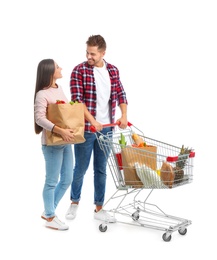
158	172
141	145
180	164
138	140
182	159
179	174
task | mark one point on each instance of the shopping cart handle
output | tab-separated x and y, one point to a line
93	129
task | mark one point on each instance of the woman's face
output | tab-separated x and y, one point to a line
57	73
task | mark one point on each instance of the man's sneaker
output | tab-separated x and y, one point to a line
104	216
56	224
71	212
43	216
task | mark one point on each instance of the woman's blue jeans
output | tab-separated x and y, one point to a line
83	154
59	174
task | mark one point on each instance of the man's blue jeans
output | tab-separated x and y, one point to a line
59	173
83	154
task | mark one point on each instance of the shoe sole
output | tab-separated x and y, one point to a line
52	228
56	228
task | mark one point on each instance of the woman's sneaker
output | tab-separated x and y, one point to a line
71	212
104	216
56	224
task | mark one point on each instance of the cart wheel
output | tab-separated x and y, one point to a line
182	231
135	216
102	228
166	238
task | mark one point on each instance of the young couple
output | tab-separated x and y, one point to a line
97	85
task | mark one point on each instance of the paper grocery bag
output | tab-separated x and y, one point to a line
66	116
143	155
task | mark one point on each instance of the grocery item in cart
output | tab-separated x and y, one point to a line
167	174
143	155
149	177
122	141
138	140
181	163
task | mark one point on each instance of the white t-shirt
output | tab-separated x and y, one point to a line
103	91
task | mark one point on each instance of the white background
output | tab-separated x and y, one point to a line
166	53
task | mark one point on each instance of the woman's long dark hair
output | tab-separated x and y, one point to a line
44	78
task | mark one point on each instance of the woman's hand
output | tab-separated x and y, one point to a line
68	135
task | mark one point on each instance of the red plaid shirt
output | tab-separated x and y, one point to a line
83	88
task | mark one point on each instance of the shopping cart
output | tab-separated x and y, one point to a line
155	165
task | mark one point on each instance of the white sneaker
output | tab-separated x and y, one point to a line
71	212
104	216
56	224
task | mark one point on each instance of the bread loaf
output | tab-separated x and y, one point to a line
167	174
137	139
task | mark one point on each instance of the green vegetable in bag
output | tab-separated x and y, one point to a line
122	141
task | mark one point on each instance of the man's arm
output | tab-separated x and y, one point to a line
123	119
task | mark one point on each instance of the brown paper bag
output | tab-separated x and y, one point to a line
66	116
143	155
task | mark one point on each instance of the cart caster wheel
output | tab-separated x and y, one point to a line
135	216
182	231
166	238
102	228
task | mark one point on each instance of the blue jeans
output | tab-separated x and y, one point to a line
83	154
59	174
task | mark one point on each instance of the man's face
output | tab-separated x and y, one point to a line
94	56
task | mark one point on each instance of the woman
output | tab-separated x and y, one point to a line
58	158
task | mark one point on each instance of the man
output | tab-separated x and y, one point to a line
97	85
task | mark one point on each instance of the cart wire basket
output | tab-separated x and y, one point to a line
136	168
